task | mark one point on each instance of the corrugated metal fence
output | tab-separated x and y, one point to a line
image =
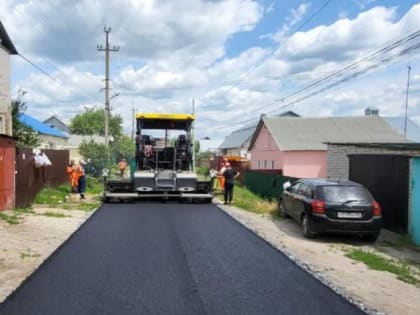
30	180
266	185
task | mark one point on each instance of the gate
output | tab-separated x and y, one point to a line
7	168
415	200
387	178
30	180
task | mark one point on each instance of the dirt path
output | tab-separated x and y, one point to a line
24	246
380	291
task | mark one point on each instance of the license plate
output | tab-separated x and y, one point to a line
349	215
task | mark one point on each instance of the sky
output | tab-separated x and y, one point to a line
237	59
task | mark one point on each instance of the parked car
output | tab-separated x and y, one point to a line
331	206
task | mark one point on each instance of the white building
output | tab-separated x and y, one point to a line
6	49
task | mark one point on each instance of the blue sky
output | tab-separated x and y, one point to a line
236	58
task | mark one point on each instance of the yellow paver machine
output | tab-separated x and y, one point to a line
164	166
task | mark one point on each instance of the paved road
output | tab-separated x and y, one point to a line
152	258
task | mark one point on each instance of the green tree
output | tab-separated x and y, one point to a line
92	122
26	136
96	155
122	147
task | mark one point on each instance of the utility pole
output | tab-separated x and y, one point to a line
406	99
107	49
134	120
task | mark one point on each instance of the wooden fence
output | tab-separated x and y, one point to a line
30	180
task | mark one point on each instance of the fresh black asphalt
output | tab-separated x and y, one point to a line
153	258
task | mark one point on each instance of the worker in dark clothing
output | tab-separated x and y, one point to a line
229	174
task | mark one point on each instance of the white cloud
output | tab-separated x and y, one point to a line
294	17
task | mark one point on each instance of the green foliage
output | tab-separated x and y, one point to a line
247	200
26	136
28	254
52	196
92	122
403	271
94	185
55	214
97	155
9	218
88	206
122	147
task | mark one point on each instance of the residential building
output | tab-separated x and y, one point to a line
6	49
56	123
296	147
237	143
50	137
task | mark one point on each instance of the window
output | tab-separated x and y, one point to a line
272	164
2	125
258	164
265	163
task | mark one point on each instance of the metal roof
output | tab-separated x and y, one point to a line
409	146
40	127
238	138
397	123
6	42
295	134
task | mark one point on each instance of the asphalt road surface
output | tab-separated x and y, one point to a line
153	258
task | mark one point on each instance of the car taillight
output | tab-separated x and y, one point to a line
318	206
376	209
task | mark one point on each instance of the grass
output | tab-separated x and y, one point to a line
94	185
88	206
52	196
9	218
376	262
55	214
247	200
28	254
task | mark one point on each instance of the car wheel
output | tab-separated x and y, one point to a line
280	210
306	227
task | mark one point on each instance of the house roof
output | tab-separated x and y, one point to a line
6	41
39	126
55	122
397	123
295	134
238	138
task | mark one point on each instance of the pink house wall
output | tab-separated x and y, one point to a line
305	164
302	164
265	149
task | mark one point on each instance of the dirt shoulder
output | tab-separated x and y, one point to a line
27	244
375	291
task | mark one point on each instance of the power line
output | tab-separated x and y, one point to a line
40	69
337	74
312	16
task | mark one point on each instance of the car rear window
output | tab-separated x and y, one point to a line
343	193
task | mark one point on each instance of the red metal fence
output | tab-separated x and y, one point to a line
30	180
7	169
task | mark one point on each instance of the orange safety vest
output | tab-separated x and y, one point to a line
122	165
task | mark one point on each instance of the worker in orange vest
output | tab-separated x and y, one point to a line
122	165
220	174
73	176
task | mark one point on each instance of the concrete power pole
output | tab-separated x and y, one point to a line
406	100
107	49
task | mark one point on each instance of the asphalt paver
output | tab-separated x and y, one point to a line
156	258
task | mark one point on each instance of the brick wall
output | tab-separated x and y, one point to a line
338	161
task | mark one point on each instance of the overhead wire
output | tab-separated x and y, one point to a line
343	71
